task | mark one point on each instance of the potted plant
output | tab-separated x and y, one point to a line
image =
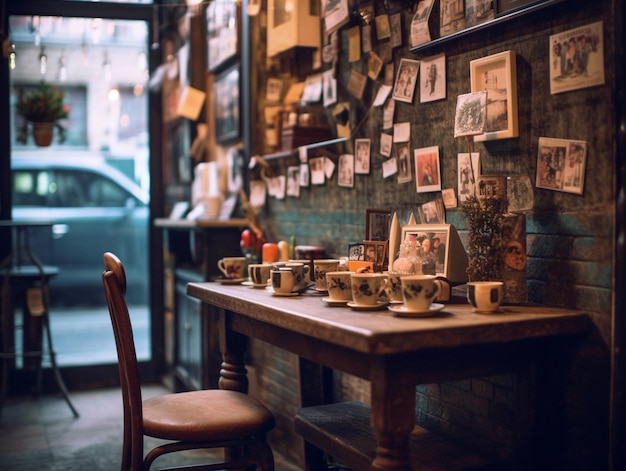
43	107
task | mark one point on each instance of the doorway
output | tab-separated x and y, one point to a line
92	183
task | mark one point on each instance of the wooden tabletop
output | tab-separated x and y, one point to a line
380	331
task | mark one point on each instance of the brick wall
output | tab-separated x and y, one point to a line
569	237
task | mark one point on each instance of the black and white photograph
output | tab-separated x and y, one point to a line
468	168
470	117
433	78
406	77
403	156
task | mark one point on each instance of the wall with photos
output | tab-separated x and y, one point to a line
569	235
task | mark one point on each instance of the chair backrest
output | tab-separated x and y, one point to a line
114	281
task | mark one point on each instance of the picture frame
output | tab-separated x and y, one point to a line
449	259
427	169
345	175
377	224
377	252
497	76
222	30
362	149
470	115
226	102
406	78
561	165
356	252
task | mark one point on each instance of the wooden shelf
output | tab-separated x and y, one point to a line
506	17
343	431
316	145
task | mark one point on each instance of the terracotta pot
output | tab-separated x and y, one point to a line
43	133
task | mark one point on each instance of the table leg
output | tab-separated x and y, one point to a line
393	416
233	374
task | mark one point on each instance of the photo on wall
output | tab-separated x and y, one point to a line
561	165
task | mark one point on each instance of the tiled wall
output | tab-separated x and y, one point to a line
569	237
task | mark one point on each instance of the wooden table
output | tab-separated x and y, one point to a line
395	354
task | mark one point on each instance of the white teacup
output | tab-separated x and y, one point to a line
394	288
368	289
419	291
320	268
339	285
232	267
485	296
283	281
300	271
259	273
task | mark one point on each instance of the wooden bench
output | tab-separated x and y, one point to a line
343	431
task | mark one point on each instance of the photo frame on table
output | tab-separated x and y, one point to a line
449	259
497	75
222	30
377	224
377	252
227	115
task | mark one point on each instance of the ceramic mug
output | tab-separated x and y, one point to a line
368	289
485	296
320	268
259	273
300	271
339	285
394	288
232	267
283	281
419	291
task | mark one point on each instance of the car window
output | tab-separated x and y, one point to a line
79	188
30	187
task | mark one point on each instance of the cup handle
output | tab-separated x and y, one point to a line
220	265
383	289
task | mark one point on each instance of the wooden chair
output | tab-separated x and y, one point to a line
215	418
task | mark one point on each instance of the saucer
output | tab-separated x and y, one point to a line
403	311
364	307
231	281
254	285
334	302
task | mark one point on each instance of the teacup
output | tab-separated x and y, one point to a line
368	289
232	267
320	268
300	271
394	288
485	296
419	291
339	285
259	273
283	281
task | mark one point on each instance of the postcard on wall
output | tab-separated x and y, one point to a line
561	165
395	24
362	163
468	168
316	167
420	33
346	170
519	194
383	30
354	44
385	144
305	175
293	181
381	95
390	167
312	89
404	88
274	89
403	155
452	16
329	87
433	78
432	212
356	83
374	65
402	131
427	175
335	13
470	114
577	58
478	11
388	112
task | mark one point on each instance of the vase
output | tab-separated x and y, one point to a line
43	133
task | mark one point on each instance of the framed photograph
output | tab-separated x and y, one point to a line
443	252
577	58
362	163
403	156
497	76
433	78
377	224
432	212
222	29
227	117
427	175
356	252
404	88
561	165
377	253
470	116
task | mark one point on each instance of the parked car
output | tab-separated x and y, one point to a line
92	208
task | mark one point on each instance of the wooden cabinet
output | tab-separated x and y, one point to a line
191	251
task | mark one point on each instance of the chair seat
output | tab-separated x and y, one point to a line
205	415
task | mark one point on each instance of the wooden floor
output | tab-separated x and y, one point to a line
42	434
